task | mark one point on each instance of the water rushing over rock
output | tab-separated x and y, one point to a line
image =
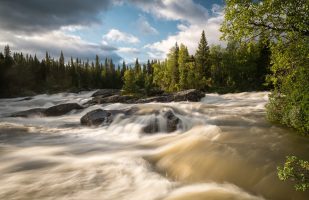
219	148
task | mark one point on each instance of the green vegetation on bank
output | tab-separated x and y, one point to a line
284	27
297	170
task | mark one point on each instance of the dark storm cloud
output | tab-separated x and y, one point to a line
42	15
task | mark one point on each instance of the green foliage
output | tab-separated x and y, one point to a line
296	170
51	75
283	27
130	85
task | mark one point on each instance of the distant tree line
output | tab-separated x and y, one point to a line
234	68
25	75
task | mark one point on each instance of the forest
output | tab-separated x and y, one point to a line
238	67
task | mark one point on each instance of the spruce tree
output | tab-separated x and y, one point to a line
202	61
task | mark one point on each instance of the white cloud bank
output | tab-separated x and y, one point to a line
115	35
194	19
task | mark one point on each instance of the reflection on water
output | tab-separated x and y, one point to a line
225	149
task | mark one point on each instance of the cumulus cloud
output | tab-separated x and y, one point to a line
190	31
115	35
174	9
144	26
128	50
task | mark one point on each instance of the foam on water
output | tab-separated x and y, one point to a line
224	149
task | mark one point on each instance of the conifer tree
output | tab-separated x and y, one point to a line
202	61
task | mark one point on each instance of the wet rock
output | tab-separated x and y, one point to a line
29	113
163	98
105	117
111	99
108	96
96	117
106	92
171	120
62	109
189	95
152	127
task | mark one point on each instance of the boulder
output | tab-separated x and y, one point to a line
105	93
29	113
171	123
105	117
189	95
62	109
96	117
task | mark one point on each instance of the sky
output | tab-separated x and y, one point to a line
117	29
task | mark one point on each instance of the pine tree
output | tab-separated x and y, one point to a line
137	67
202	61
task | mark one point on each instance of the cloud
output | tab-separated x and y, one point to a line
187	10
128	50
115	35
46	15
144	26
189	33
54	41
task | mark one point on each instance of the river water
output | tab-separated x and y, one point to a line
225	149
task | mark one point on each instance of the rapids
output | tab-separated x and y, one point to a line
225	149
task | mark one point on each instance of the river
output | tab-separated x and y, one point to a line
225	149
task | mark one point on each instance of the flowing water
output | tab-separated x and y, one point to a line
225	149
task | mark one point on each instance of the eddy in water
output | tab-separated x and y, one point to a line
219	148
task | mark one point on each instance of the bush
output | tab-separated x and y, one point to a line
296	170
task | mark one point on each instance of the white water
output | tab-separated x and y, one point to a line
225	150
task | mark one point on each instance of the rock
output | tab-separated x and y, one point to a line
113	96
171	123
96	117
163	98
105	117
111	99
152	127
189	95
29	113
106	92
62	109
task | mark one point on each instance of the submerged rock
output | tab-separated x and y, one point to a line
162	98
111	99
57	110
62	109
171	120
29	113
105	117
96	117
